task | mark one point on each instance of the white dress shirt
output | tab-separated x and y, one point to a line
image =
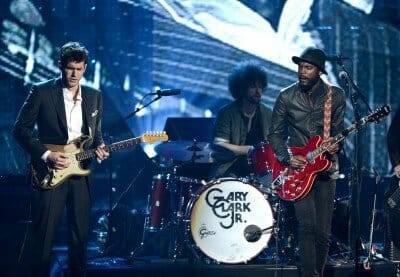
73	114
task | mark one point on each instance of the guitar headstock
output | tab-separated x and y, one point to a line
377	115
151	137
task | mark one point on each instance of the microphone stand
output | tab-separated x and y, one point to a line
158	97
113	206
354	93
367	261
133	254
159	93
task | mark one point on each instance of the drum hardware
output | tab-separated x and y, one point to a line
194	149
182	151
392	216
192	158
187	189
167	203
253	233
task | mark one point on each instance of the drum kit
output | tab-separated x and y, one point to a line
225	220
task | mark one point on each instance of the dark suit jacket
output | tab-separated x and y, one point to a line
393	139
44	106
298	116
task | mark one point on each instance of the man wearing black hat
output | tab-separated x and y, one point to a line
299	115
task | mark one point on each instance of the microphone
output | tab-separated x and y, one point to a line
166	92
336	58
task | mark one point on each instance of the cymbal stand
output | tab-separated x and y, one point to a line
367	262
194	148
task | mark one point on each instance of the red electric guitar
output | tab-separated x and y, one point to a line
290	184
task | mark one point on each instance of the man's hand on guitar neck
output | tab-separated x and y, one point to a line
57	160
101	153
332	148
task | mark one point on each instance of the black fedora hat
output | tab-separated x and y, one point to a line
313	56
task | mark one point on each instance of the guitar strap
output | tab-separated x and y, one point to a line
327	113
334	170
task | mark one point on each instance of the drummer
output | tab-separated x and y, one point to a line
241	124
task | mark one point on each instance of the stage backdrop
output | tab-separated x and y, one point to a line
138	46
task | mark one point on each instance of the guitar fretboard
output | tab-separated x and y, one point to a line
88	154
336	139
372	117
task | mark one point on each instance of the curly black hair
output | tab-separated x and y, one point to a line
245	75
72	51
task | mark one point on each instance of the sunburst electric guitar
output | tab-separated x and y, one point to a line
45	177
292	184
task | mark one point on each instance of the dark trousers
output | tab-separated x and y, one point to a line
47	207
314	216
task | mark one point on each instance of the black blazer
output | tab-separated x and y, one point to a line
45	107
393	141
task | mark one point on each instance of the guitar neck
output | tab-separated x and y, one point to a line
88	154
336	139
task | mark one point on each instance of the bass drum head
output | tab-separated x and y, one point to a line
219	215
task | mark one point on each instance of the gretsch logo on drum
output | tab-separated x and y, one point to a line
230	208
204	232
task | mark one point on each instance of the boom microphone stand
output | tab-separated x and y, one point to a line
158	95
354	93
368	260
107	219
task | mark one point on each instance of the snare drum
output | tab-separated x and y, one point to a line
219	215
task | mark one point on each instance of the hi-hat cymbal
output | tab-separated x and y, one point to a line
185	151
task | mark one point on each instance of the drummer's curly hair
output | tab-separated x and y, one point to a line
245	75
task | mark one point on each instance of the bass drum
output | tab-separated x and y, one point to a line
219	215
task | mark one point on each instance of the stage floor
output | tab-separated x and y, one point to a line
152	266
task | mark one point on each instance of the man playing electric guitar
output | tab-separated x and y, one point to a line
63	110
306	109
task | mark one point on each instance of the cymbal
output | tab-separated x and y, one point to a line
185	151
